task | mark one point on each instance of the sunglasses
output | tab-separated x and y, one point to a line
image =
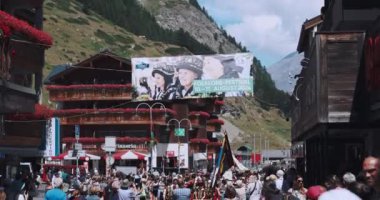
299	181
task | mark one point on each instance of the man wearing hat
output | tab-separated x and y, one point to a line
164	88
189	69
56	193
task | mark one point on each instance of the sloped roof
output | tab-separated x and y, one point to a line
60	70
306	27
245	148
55	71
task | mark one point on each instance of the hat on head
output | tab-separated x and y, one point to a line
272	177
349	178
163	69
280	173
314	192
191	63
57	182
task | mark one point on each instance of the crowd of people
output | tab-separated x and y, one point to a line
271	183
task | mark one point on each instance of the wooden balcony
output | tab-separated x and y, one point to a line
198	118
214	125
93	92
113	116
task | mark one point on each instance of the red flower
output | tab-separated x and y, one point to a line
22	27
199	113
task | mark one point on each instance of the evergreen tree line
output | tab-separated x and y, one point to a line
134	18
266	92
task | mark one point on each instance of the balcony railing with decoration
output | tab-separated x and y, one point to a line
113	116
198	118
86	92
199	141
214	125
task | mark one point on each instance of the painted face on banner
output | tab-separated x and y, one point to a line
212	68
186	77
159	80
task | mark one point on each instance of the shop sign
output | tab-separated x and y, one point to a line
126	146
179	132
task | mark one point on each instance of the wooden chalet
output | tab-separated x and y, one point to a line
96	94
335	101
23	45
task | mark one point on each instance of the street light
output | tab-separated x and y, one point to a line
178	134
151	126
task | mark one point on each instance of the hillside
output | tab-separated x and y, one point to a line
80	32
78	35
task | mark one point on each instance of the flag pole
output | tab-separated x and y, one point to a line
218	162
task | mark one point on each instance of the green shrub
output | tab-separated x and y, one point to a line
79	20
124	40
105	36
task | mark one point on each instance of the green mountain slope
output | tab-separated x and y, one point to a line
80	32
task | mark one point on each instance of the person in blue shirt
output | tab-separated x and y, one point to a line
56	193
181	193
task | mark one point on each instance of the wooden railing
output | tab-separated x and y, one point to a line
97	92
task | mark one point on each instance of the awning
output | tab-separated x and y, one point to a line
66	156
129	155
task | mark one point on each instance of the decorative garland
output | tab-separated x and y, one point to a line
219	102
200	140
101	140
86	86
10	24
215	144
67	112
199	113
40	112
215	121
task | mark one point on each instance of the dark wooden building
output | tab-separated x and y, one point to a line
22	53
334	101
96	94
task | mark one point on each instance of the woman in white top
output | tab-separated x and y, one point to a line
254	188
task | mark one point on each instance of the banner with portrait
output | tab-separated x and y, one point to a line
181	77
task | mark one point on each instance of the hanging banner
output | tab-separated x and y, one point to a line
52	138
181	77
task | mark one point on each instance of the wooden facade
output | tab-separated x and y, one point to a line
332	108
21	82
97	95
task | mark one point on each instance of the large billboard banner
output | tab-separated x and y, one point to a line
181	77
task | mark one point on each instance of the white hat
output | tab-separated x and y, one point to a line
280	173
57	182
349	178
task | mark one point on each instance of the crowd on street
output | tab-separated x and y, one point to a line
271	183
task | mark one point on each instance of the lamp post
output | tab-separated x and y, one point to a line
178	135
151	126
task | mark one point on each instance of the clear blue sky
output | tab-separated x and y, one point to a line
268	28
